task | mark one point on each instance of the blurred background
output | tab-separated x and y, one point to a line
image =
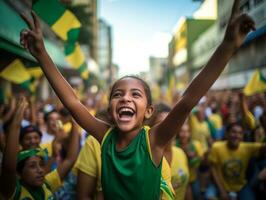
95	42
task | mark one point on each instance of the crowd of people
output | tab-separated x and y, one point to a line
219	152
204	146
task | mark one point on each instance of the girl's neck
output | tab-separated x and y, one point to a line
29	187
125	138
184	143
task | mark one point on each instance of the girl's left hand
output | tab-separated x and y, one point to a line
239	25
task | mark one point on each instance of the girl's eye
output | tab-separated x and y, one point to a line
136	94
32	166
117	94
42	164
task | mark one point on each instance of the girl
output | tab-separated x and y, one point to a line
132	154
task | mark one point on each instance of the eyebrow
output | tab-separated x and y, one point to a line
121	90
136	89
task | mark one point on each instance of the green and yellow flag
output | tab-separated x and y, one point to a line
35	72
63	22
66	26
256	84
16	72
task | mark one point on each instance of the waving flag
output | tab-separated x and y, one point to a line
66	26
256	84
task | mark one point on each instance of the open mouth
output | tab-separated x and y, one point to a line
40	178
125	113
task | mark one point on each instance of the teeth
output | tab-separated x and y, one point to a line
125	110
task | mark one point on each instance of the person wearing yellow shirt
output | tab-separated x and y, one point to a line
194	153
175	157
192	149
229	162
88	166
216	119
199	127
89	170
177	160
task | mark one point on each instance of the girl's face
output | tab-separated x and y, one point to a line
31	140
184	134
33	172
128	104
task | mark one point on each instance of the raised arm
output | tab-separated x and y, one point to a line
248	117
72	151
32	40
10	111
8	174
238	27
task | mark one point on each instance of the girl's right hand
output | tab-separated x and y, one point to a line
32	39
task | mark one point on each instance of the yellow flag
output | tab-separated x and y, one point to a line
77	58
35	72
256	84
15	72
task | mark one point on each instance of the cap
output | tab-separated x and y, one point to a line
29	129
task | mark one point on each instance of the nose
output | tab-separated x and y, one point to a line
40	169
126	97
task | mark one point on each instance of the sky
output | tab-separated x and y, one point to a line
142	28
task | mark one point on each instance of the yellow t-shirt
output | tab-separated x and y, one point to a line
53	183
199	131
67	127
89	160
166	176
193	169
217	120
231	165
180	172
49	148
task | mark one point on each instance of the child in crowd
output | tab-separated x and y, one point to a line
131	153
31	182
30	137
